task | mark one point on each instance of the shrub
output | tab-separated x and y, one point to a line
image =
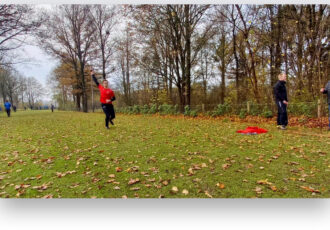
144	109
242	113
255	109
167	109
221	109
267	114
153	109
136	109
302	108
189	112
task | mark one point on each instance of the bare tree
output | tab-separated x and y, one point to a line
104	20
68	35
34	91
16	21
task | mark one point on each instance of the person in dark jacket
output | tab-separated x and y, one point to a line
326	90
281	100
107	96
7	107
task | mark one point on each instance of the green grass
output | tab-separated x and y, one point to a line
190	154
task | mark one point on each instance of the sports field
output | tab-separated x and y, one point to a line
72	155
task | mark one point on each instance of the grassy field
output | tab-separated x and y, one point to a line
72	155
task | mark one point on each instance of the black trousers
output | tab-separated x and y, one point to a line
109	112
282	115
8	112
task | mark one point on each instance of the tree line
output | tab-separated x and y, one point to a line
186	54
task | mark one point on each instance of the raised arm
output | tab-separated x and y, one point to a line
94	78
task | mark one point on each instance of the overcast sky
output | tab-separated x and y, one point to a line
39	67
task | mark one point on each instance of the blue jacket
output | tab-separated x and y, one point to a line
7	105
327	91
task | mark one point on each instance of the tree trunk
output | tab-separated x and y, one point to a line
223	69
188	54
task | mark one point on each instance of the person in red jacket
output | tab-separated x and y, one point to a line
106	99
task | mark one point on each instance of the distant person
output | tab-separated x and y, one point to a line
107	96
326	90
7	106
24	108
52	107
14	108
281	100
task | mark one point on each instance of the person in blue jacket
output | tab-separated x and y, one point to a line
326	90
7	107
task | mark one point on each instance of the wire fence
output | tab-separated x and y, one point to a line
310	109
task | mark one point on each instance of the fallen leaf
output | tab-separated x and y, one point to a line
41	187
208	194
96	180
258	190
225	166
185	192
165	182
135	188
174	189
112	176
118	169
310	189
220	185
190	172
249	166
49	196
133	181
22	186
264	182
272	187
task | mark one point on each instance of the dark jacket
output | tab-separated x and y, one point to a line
327	91
280	91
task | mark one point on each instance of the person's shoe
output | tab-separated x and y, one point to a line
107	127
283	127
112	122
278	126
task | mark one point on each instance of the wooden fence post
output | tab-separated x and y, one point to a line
319	108
248	107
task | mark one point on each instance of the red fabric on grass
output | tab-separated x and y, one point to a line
252	130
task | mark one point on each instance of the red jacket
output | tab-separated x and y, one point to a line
106	95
